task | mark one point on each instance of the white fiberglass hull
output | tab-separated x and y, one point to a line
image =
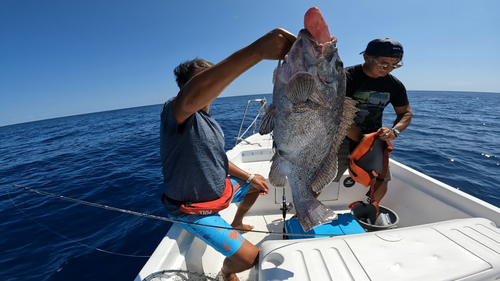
442	234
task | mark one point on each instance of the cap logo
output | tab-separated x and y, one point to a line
384	48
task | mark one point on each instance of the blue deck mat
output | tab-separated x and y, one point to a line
344	225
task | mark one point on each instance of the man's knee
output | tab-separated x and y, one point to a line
246	257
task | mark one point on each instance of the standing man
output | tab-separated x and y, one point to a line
373	87
195	166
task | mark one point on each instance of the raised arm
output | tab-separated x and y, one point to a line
205	87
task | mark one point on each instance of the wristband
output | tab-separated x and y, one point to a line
250	178
396	132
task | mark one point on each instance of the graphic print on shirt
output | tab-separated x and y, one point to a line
371	104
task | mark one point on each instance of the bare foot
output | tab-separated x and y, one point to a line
229	277
243	228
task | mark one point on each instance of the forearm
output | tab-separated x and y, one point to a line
403	120
236	172
205	87
257	181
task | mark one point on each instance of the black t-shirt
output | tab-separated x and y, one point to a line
373	95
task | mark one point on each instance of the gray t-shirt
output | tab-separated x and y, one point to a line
195	165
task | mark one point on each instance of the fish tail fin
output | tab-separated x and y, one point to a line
312	213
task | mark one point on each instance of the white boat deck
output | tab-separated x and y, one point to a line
265	223
443	234
175	250
463	249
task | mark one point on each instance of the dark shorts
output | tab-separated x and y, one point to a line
225	241
343	160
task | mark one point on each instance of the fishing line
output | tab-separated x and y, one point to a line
69	239
168	273
101	206
152	276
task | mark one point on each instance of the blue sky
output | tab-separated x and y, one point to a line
60	58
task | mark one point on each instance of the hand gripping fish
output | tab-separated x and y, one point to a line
309	118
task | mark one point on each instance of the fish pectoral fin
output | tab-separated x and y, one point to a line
277	176
267	123
317	98
300	87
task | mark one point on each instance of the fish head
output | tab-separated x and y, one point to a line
322	56
320	60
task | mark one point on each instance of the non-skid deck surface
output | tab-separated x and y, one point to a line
266	223
465	249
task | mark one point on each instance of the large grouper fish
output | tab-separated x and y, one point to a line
309	118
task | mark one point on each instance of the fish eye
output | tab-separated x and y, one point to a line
339	64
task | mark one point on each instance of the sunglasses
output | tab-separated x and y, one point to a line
386	66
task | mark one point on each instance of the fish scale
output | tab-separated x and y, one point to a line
309	118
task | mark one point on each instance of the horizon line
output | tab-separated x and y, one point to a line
229	96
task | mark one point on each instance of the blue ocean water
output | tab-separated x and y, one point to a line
112	158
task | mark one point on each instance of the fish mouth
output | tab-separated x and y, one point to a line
305	33
326	50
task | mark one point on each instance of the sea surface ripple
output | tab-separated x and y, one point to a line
112	158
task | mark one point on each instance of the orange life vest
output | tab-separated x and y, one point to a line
209	207
369	163
370	159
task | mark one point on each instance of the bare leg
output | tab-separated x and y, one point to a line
243	208
381	191
245	258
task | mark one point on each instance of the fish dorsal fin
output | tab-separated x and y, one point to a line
328	172
346	122
317	98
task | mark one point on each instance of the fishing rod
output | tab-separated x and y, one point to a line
106	207
69	239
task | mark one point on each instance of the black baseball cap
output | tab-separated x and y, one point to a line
384	47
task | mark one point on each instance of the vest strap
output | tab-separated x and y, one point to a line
208	207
